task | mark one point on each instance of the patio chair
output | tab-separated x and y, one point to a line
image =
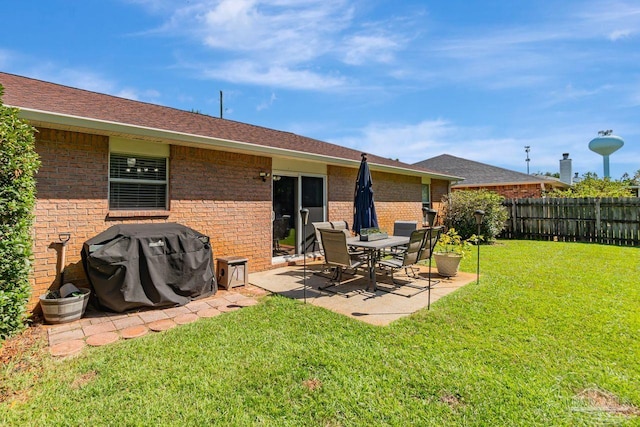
407	262
402	228
317	226
341	225
337	255
280	231
344	227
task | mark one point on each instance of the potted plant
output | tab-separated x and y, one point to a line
449	251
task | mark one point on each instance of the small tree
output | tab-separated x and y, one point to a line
18	166
459	207
592	186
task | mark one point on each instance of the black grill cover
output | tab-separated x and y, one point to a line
149	265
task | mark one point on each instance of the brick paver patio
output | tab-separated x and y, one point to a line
98	328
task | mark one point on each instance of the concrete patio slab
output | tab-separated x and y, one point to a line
352	299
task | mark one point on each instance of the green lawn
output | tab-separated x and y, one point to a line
548	325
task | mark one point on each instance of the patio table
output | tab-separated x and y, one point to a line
373	248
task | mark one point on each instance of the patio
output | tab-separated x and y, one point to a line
351	298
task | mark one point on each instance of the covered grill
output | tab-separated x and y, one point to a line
149	265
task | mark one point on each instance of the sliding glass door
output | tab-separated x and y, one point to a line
290	194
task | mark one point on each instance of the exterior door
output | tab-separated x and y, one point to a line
290	195
285	215
313	199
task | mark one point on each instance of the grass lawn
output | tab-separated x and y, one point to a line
550	337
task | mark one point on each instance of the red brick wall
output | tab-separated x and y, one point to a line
221	195
439	189
71	198
397	197
216	193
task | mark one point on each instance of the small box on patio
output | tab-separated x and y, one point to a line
232	272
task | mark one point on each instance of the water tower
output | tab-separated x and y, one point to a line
606	144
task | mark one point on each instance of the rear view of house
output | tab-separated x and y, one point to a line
108	160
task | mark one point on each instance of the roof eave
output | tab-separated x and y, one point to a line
70	122
492	184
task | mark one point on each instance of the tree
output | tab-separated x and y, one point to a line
18	166
631	180
459	207
592	186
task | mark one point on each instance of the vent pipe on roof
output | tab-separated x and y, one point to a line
565	169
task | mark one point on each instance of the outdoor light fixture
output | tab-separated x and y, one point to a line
264	176
478	215
429	216
277	177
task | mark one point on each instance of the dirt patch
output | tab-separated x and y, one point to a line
21	353
607	402
19	349
453	400
84	379
312	384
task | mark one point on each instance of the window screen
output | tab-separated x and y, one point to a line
137	182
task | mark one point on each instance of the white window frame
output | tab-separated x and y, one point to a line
138	150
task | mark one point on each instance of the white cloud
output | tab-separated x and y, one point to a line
252	41
620	34
267	103
361	49
414	142
284	32
273	75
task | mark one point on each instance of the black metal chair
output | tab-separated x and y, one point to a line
337	256
280	232
402	228
424	240
409	257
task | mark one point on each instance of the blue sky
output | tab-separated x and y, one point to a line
401	79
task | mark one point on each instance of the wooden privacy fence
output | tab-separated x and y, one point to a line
611	221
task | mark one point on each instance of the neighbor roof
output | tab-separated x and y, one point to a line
43	103
481	174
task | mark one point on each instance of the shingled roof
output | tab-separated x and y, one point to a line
34	95
481	174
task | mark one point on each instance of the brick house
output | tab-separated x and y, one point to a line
508	183
108	160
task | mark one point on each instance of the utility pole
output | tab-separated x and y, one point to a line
527	148
220	104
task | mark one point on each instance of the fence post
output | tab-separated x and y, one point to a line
514	223
598	234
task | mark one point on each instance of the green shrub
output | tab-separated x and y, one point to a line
18	166
592	186
459	207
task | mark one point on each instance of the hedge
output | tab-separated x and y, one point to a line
18	166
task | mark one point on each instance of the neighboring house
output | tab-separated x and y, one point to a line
108	160
505	182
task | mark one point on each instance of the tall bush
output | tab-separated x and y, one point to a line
459	207
18	166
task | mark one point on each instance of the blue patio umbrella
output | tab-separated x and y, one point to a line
364	211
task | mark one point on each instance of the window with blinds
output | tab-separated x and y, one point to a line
137	182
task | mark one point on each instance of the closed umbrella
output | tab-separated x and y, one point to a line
364	211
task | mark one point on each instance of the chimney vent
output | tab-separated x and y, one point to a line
565	169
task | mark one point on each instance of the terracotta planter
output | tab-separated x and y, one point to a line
447	263
63	310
